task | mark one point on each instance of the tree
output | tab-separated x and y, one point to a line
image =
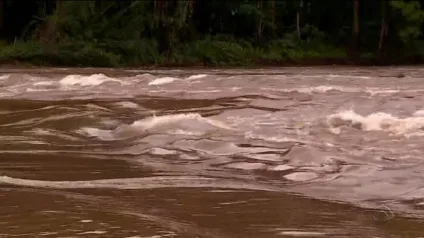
411	19
298	19
259	22
384	28
355	29
2	6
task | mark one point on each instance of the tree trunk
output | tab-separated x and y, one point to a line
157	9
273	13
259	29
59	8
298	20
2	6
190	7
355	30
384	29
298	25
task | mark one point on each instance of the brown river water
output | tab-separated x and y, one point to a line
288	152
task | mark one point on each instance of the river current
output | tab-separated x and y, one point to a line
281	152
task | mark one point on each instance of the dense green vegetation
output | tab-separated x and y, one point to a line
209	32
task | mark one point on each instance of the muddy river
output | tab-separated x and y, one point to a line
288	152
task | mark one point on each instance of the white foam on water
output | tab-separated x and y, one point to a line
327	88
29	90
315	89
86	221
6	76
205	91
144	236
378	121
265	157
381	91
419	113
185	132
96	107
282	167
127	104
185	91
35	142
106	135
301	176
92	80
156	236
161	151
331	76
140	183
252	135
246	166
92	233
6	94
156	122
163	80
47	233
347	76
197	76
301	233
51	132
44	83
144	76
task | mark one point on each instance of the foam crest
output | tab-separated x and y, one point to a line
164	80
315	89
44	83
126	104
92	80
6	76
347	76
106	135
139	183
159	122
344	89
378	121
197	76
325	88
419	113
188	124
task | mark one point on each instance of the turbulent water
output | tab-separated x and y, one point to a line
311	152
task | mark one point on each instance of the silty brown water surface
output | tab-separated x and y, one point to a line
311	152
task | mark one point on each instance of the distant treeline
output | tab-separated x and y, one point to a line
209	32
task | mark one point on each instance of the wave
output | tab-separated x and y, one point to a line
92	80
330	88
197	76
190	123
378	121
164	80
3	77
155	122
141	183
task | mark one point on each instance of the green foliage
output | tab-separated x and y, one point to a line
216	52
135	52
411	21
197	32
76	54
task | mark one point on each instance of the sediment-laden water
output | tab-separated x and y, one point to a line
311	152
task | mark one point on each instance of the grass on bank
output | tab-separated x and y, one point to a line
206	52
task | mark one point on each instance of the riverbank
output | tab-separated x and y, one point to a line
199	54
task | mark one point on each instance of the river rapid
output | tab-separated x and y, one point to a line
280	152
